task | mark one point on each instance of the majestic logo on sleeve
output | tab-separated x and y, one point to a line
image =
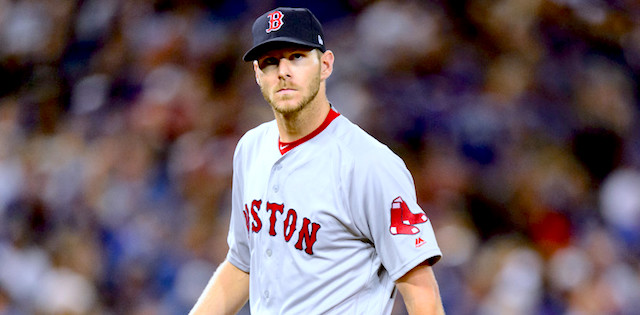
403	220
275	21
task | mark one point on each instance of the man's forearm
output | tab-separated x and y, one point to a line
420	291
226	292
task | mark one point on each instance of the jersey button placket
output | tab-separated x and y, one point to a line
274	175
268	252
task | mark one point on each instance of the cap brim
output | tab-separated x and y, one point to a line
281	42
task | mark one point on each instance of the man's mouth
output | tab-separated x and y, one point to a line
285	90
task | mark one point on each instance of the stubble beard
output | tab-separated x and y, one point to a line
313	88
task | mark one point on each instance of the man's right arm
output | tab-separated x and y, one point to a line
226	292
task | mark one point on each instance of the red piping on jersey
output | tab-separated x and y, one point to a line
285	147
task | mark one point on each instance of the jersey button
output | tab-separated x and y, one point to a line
266	294
276	188
269	253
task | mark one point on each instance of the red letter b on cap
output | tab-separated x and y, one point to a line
275	21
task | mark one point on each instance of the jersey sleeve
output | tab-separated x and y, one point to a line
238	237
384	196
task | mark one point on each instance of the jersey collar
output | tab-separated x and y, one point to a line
285	147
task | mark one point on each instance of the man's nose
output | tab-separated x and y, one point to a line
284	68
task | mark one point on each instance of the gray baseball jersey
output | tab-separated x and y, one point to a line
325	224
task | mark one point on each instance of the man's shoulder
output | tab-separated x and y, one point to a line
256	136
362	155
355	138
361	145
259	132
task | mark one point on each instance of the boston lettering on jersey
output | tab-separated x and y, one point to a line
306	235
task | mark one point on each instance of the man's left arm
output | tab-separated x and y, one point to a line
420	291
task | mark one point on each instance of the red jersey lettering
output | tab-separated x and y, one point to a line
257	224
309	237
273	208
290	224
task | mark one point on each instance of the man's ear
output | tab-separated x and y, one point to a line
255	70
326	61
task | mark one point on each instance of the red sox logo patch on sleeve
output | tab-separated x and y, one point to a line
403	221
275	21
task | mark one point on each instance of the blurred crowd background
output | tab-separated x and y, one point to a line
517	118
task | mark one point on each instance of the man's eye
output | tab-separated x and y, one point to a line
268	62
297	56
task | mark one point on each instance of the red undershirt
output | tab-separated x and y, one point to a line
285	147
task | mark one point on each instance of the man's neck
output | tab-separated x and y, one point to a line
297	125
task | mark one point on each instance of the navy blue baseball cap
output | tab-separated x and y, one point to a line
283	27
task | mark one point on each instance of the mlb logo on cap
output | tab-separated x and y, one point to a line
284	27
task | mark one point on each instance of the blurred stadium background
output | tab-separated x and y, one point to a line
517	118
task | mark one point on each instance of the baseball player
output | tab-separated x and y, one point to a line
324	217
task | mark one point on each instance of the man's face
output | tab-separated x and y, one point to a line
289	78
